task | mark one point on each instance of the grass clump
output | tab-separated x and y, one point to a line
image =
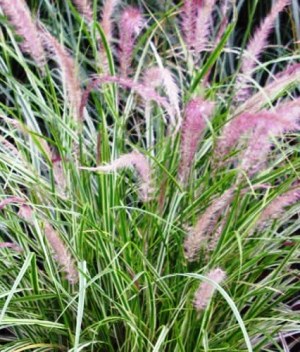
149	177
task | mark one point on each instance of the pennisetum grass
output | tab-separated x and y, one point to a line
155	154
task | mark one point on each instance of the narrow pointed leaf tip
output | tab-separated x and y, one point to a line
136	161
19	15
206	290
197	112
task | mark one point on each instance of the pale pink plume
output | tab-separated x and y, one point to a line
11	245
279	84
206	290
284	119
134	160
145	91
108	10
197	112
277	207
259	127
130	25
256	46
85	8
68	71
62	255
11	200
19	15
204	22
199	236
188	22
156	77
26	213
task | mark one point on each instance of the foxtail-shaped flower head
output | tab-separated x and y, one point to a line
255	48
68	71
19	15
277	207
62	255
206	290
134	160
199	235
85	8
197	112
130	25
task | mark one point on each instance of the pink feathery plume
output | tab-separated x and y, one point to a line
26	213
197	112
278	206
188	22
200	234
130	25
203	24
11	245
19	15
134	160
284	119
156	77
68	70
108	9
85	8
256	46
280	83
62	255
11	200
145	91
206	290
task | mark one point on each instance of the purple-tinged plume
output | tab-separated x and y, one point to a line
278	206
108	9
26	213
11	200
134	160
206	290
19	15
68	70
188	23
203	24
197	112
11	245
156	77
62	255
199	236
279	84
145	91
85	8
130	25
256	46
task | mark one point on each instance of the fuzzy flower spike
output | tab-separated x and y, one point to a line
256	46
68	71
85	8
19	15
197	112
206	290
134	160
130	25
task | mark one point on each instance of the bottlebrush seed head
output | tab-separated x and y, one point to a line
130	25
206	290
134	160
85	8
197	112
20	17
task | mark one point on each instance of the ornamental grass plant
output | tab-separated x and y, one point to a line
149	162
